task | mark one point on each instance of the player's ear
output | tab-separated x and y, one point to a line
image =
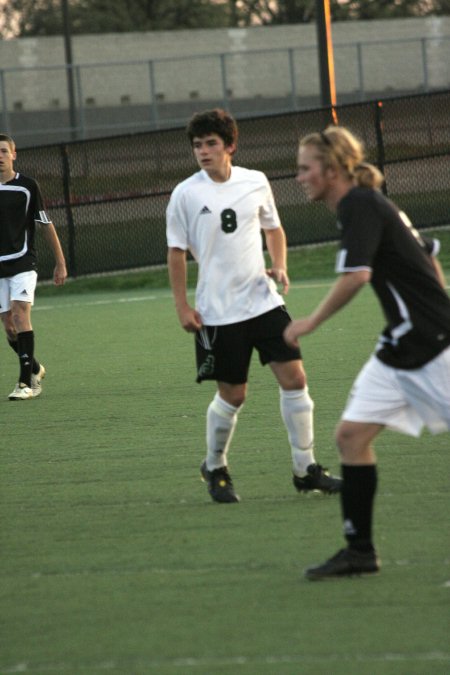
331	172
231	149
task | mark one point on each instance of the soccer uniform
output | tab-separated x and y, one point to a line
392	388
21	206
220	224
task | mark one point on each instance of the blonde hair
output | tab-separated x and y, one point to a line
339	149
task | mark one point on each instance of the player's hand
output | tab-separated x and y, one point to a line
190	319
280	276
60	274
296	329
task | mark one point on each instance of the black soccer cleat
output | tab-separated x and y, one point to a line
317	478
347	562
220	485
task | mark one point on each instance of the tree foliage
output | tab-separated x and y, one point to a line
44	17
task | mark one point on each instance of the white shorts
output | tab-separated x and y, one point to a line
19	287
402	400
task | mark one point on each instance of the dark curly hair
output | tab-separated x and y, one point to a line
216	121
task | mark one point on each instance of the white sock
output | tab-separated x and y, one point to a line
297	412
221	420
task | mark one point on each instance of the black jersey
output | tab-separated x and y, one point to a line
21	206
378	237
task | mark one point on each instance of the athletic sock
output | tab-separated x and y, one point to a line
297	412
36	365
221	420
357	499
25	349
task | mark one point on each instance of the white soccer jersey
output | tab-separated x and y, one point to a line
220	223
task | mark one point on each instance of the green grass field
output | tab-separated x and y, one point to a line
114	559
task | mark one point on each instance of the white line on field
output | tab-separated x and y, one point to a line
192	662
61	304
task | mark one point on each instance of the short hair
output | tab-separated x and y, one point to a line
9	140
216	121
338	148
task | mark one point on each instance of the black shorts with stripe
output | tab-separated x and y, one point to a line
224	352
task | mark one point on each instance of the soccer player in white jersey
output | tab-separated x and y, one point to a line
405	385
21	207
218	214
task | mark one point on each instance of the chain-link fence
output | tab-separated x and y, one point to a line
108	196
57	103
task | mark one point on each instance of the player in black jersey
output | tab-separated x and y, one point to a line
21	207
405	385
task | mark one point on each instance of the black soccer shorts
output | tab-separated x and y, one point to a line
224	352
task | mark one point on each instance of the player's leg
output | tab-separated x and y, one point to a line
38	371
21	316
359	473
376	401
221	420
222	354
296	404
22	290
297	408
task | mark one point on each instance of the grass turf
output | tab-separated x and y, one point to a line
116	561
305	263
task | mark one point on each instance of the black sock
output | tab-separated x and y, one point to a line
15	345
25	349
357	497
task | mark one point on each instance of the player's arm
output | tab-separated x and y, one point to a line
433	247
345	288
276	246
189	318
52	239
439	271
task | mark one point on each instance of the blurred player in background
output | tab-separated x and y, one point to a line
405	385
21	207
217	214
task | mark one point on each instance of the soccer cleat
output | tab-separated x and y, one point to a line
220	485
317	478
347	562
21	392
36	379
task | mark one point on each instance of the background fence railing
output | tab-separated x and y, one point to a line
108	196
58	103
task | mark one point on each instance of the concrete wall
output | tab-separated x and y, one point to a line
178	74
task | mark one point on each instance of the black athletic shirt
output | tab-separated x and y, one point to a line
21	206
377	236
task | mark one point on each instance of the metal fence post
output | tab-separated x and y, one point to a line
223	70
81	115
292	76
360	70
4	102
380	140
423	42
68	209
153	101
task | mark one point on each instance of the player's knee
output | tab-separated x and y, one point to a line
9	327
294	380
11	334
352	443
345	438
233	394
237	400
